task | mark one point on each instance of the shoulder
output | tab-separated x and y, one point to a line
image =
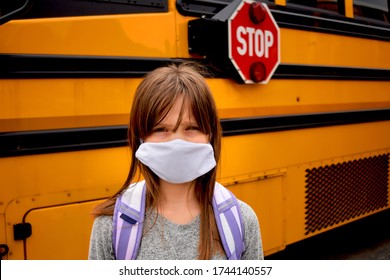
248	215
100	247
102	224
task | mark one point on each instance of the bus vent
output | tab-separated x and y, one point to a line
340	192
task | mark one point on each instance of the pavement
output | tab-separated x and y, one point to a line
366	239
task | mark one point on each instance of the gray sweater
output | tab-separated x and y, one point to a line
168	241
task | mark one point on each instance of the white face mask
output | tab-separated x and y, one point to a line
177	161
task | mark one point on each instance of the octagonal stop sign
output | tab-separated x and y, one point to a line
254	42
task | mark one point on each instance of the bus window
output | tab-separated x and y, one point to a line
373	9
9	6
334	6
10	9
64	8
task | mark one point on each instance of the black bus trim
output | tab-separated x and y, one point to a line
77	139
25	66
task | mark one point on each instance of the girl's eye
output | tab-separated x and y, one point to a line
160	129
193	128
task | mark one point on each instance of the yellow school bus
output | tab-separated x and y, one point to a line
309	150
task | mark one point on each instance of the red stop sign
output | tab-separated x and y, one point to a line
254	43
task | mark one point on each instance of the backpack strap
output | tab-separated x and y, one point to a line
229	222
128	222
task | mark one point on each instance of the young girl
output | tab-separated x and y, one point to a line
175	140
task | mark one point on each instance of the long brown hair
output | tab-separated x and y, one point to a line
153	100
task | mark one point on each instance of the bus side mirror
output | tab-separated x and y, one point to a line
11	9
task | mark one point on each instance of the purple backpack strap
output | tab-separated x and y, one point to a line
229	222
128	222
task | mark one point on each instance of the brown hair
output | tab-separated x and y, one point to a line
153	100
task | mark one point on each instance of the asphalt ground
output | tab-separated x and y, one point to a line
366	239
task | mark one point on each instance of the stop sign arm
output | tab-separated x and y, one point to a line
242	40
207	38
228	11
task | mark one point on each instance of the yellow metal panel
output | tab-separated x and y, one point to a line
32	182
148	35
56	232
88	173
73	103
249	154
267	198
281	97
314	48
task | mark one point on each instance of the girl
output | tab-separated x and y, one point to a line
175	140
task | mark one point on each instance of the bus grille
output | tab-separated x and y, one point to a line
339	192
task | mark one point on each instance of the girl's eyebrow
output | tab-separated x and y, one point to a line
164	123
171	125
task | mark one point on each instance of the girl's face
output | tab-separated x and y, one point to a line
187	130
